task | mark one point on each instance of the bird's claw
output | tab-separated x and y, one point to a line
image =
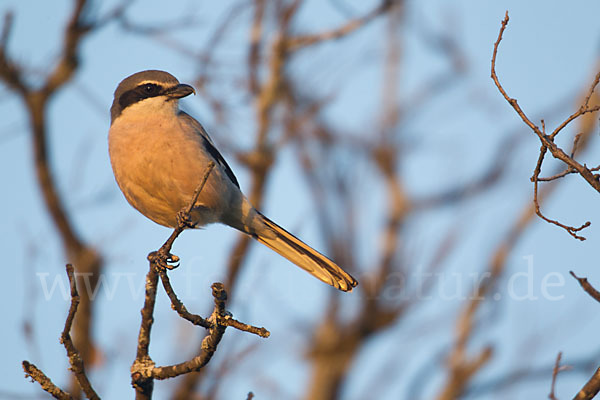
184	220
163	260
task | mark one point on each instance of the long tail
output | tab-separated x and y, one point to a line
305	256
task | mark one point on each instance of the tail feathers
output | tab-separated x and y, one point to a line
305	257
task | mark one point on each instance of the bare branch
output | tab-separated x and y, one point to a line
590	389
142	365
584	109
6	28
75	360
228	320
10	71
35	98
547	141
209	343
37	375
589	289
69	60
77	365
218	322
570	229
566	172
143	370
255	46
555	372
178	305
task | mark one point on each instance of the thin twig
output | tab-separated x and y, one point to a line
77	365
255	46
140	376
584	109
37	375
178	305
547	141
570	229
564	173
555	372
6	29
575	144
219	320
241	326
209	343
589	289
195	319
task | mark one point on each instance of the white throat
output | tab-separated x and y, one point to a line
150	107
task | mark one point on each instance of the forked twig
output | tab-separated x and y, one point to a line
547	141
143	370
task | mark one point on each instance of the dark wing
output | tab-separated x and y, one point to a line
209	146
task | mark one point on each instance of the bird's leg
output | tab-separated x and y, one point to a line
163	259
184	220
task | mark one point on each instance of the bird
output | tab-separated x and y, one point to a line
159	153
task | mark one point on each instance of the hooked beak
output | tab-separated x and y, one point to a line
179	91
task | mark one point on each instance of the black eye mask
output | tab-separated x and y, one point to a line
141	92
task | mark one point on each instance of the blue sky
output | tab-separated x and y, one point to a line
548	54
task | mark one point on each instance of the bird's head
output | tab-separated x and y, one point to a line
148	91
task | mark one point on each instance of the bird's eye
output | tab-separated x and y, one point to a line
149	88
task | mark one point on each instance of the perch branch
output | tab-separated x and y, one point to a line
143	370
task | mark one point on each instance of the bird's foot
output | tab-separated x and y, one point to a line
163	260
184	220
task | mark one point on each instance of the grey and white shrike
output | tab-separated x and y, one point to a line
159	154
